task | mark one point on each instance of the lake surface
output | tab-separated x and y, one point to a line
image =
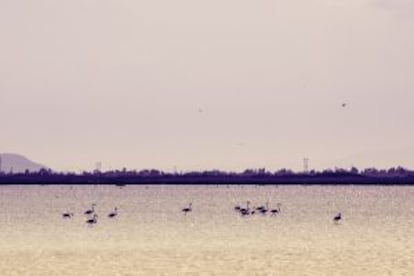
151	236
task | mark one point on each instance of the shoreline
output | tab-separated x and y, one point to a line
22	179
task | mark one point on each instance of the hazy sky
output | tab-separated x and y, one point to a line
123	82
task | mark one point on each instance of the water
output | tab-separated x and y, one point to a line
151	236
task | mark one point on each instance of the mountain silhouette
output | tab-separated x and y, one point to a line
16	163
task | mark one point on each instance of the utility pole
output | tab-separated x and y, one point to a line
305	165
98	166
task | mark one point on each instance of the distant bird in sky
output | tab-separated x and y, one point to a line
200	110
344	105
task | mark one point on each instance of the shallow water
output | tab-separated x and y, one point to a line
151	236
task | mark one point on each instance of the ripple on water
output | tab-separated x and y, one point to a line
151	236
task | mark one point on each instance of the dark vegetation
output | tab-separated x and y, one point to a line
393	176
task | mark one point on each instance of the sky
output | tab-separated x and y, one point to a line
219	84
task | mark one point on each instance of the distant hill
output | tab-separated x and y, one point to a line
18	163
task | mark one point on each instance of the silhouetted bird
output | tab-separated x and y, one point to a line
90	211
67	215
188	209
263	209
337	218
93	220
114	213
277	210
245	211
344	105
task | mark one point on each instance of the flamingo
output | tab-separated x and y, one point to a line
245	211
263	210
277	210
337	218
188	209
114	213
262	207
93	220
253	211
67	215
90	211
